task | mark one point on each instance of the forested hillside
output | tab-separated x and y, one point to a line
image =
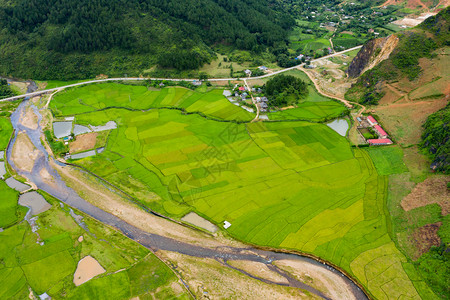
68	39
436	139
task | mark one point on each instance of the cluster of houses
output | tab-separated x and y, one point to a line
371	122
263	103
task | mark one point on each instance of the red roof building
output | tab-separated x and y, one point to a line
372	120
381	133
376	142
241	88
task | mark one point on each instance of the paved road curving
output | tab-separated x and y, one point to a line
33	94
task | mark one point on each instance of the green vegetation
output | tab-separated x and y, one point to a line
58	147
50	84
24	261
435	266
293	185
285	90
436	139
9	211
388	160
211	104
5	132
404	60
314	107
346	41
67	40
5	89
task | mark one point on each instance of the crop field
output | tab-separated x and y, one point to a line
5	132
8	205
388	160
50	267
314	107
292	185
345	41
314	111
99	96
311	44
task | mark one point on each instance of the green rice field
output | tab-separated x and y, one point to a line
292	185
49	267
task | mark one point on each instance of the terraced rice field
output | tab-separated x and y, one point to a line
291	185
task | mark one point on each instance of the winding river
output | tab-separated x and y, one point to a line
152	241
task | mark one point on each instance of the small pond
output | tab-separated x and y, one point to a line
83	154
80	129
17	185
35	201
340	126
62	129
108	126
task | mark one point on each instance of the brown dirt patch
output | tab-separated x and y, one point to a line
83	142
391	95
87	268
404	120
30	119
432	190
24	153
330	284
259	270
425	237
209	279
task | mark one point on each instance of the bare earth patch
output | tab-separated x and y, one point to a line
258	269
425	237
209	279
24	153
196	220
404	120
330	284
30	119
83	142
432	190
87	268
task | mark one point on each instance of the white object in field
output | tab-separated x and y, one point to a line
226	224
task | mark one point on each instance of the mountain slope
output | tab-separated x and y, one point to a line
67	39
407	63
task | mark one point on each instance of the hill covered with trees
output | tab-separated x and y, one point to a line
284	90
67	39
436	139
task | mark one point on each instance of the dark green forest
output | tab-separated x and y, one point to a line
5	89
282	90
66	39
436	139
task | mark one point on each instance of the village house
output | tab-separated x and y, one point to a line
248	72
380	132
372	121
263	68
379	142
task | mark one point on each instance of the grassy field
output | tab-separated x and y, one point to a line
130	269
5	132
99	96
292	185
345	41
314	107
51	84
